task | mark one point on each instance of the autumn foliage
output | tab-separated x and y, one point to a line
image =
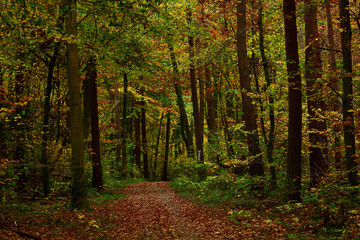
251	106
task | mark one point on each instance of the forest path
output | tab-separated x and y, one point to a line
149	211
152	210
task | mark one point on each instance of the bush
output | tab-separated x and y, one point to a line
334	206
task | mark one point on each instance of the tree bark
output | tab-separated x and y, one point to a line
333	81
184	123
97	175
265	63
167	147
347	85
295	111
144	140
250	116
201	114
117	123
317	127
211	119
2	125
137	139
124	126
157	145
194	98
47	107
79	195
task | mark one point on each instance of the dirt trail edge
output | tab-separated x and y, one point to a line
154	211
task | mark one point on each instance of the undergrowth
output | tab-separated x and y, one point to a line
331	211
111	191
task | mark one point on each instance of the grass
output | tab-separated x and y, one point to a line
111	192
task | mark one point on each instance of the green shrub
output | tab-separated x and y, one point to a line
334	205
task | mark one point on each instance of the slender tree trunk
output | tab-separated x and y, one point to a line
201	114
3	138
137	140
257	85
313	69
177	142
79	195
250	116
211	120
226	128
347	85
124	126
184	123
194	98
18	125
144	140
86	108
47	108
335	102
117	123
167	147
265	63
97	175
254	67
157	145
295	110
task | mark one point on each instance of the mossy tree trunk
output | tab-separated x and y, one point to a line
79	195
250	116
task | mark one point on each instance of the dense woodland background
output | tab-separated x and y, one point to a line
257	98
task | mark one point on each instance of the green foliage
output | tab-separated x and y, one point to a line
333	205
105	196
331	210
212	190
240	214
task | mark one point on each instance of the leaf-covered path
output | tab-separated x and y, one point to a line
155	211
149	210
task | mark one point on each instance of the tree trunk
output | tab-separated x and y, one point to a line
265	63
2	125
45	138
79	195
117	123
254	69
201	114
347	85
144	140
254	65
335	102
167	147
226	128
211	120
157	145
250	116
194	98
184	123
18	126
86	108
124	126
137	140
313	69
295	110
97	177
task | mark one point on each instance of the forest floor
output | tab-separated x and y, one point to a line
146	210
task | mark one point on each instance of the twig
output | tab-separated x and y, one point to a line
22	234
